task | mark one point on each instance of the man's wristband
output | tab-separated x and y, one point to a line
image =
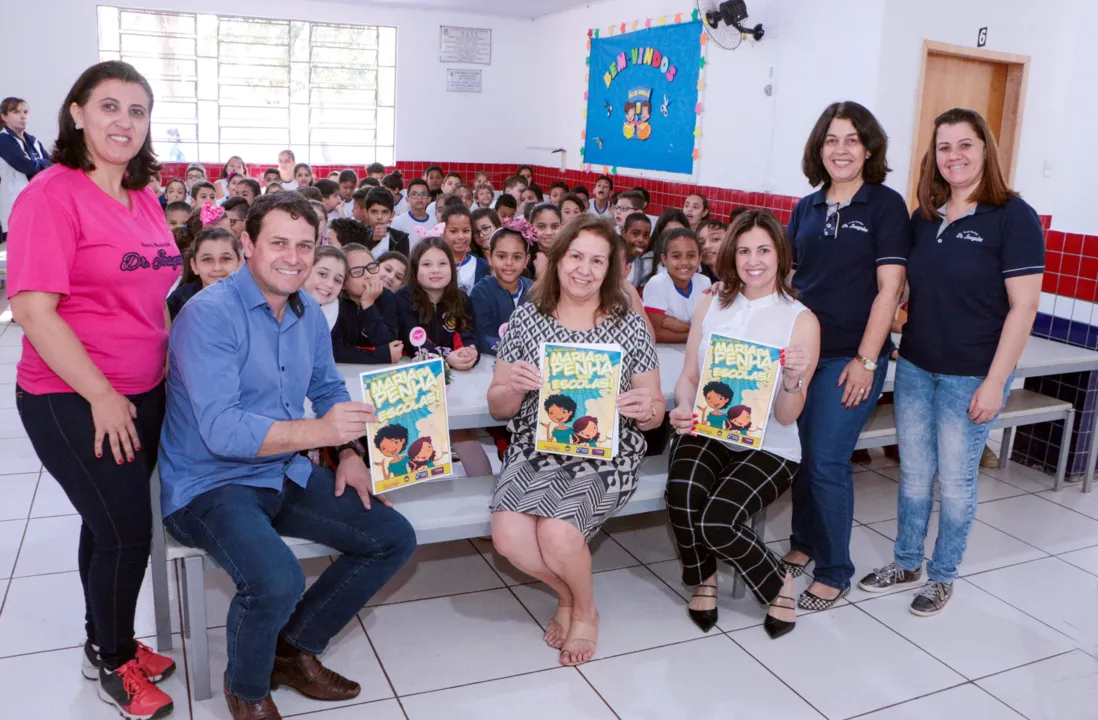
346	446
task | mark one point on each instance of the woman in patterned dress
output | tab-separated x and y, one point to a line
546	507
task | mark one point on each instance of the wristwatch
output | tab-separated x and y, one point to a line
870	365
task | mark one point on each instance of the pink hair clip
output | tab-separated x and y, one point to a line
523	228
436	231
211	214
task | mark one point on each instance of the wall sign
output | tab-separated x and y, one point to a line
644	95
463	80
465	45
981	37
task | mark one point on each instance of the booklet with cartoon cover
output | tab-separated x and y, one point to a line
736	391
578	402
410	442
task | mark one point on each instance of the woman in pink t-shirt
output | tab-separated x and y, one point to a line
90	261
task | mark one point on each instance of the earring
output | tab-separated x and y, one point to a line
79	127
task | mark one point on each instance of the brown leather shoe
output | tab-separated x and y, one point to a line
243	710
304	673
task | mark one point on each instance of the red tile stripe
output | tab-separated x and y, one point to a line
1071	259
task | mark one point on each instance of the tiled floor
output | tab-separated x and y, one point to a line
457	635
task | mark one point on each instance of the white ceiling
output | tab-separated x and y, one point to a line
523	9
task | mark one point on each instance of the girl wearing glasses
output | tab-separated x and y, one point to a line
850	243
360	334
485	223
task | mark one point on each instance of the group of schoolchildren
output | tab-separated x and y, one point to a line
440	254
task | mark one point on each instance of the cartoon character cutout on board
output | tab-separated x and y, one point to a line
638	111
391	441
585	431
422	454
718	396
560	409
739	420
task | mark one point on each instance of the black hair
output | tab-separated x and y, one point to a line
480	213
453	200
452	302
374	167
633	196
573	197
375	196
659	247
636	217
199	186
390	432
533	187
253	184
326	187
503	232
369	182
270	171
669	215
210	233
644	194
562	401
520	168
349	231
608	179
514	180
310	193
713	223
225	169
720	388
307	167
177	206
350	175
393	181
582	189
71	150
559	184
431	168
453	174
233	203
449	211
331	251
393	255
417	181
544	207
292	204
506	200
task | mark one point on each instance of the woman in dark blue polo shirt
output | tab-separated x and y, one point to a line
850	241
975	274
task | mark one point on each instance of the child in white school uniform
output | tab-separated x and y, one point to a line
670	297
419	196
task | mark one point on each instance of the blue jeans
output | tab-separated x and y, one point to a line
937	437
823	492
239	526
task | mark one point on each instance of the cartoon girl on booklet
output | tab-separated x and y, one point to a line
422	455
739	420
560	409
718	396
391	441
585	431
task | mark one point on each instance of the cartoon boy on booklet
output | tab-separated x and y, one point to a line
391	441
718	396
560	409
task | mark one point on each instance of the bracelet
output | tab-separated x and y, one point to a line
799	386
653	415
346	446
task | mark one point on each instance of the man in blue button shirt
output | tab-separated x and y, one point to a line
244	355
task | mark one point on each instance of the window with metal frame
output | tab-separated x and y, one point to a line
227	85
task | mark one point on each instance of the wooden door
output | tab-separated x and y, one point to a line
992	84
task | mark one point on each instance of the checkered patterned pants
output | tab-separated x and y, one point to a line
712	494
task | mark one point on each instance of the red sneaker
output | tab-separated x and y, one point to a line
130	691
156	667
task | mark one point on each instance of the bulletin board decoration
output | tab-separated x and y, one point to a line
643	96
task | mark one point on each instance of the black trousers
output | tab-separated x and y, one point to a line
113	502
712	494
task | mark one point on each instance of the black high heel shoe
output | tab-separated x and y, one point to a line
705	619
774	627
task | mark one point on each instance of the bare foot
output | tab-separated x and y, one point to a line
785	607
824	592
559	625
582	639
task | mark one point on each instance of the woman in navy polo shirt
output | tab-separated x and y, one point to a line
975	275
850	242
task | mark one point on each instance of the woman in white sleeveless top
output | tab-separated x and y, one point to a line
714	488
